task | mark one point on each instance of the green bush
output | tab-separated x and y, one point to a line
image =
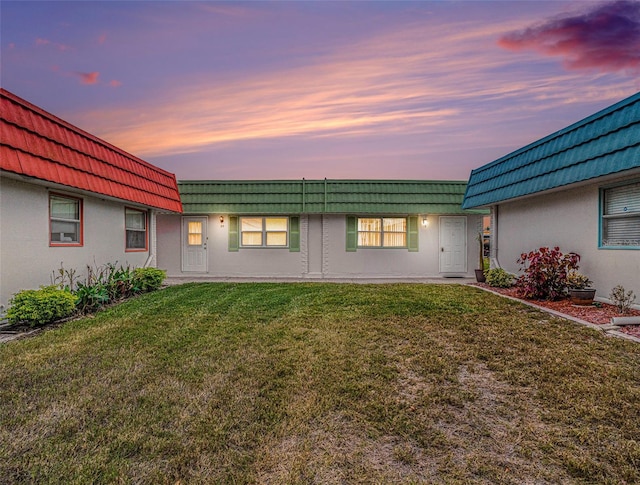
499	278
37	307
148	279
91	298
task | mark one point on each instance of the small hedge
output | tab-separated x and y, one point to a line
37	307
499	278
104	285
148	279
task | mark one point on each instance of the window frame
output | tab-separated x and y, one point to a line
145	213
382	232
264	233
603	217
79	221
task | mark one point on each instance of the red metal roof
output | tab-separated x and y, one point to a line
38	144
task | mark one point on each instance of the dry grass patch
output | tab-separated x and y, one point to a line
320	383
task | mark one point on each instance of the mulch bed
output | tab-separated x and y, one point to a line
599	315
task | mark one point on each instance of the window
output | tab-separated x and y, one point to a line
264	231
621	216
65	221
382	232
194	233
135	222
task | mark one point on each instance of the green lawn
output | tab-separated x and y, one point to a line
320	383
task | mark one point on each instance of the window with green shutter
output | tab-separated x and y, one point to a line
233	233
382	232
294	234
264	232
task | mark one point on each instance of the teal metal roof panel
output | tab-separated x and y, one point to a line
605	143
322	197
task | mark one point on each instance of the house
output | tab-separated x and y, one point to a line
68	198
579	189
320	229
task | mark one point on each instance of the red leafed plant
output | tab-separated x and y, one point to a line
545	273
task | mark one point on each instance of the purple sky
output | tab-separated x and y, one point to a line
285	90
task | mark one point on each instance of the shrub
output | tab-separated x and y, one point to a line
148	279
37	307
119	282
91	297
577	281
499	278
622	299
545	273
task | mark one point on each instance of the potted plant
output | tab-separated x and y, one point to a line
480	277
580	291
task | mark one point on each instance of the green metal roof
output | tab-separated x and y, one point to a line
605	143
322	196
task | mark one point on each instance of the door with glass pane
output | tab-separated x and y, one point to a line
194	244
453	244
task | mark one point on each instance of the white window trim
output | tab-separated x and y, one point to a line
264	233
382	232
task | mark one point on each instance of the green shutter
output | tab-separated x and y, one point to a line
412	233
352	233
233	233
294	234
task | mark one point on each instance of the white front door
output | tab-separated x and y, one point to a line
194	244
453	244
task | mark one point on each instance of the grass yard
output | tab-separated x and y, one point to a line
320	383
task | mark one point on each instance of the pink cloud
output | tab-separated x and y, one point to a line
102	39
88	77
606	38
46	42
114	83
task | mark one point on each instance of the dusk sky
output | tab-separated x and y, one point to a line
286	90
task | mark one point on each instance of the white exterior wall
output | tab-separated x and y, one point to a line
322	252
568	219
26	259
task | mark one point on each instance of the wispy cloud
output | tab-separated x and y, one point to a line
606	38
88	77
436	83
40	42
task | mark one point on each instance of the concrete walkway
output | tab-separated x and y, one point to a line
178	280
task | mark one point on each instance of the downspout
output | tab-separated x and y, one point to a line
325	195
495	262
152	237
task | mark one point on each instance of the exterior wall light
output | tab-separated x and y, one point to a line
425	221
221	221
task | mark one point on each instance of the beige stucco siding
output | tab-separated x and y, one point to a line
322	252
26	259
568	219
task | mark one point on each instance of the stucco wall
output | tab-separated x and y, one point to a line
322	252
26	259
568	219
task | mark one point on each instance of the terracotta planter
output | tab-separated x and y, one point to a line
582	297
480	278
